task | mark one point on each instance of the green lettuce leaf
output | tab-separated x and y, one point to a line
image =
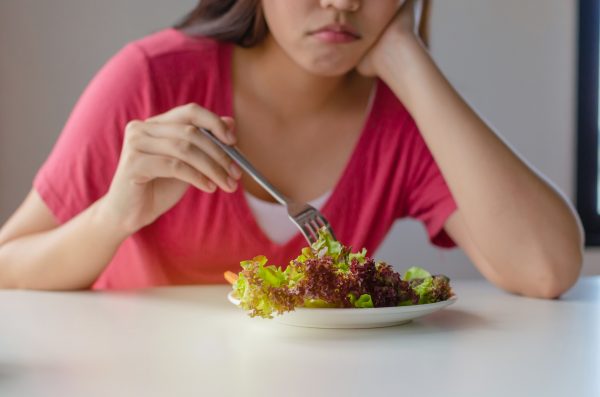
317	303
265	289
416	273
424	290
364	301
359	256
326	245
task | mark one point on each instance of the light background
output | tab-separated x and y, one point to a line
513	60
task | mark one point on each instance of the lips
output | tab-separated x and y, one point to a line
336	33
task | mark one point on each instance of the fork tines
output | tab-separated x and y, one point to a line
310	221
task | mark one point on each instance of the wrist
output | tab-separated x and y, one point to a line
401	50
398	64
105	219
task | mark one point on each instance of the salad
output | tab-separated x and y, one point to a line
328	275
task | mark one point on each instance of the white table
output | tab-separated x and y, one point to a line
190	341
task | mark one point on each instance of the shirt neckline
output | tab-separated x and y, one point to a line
255	201
241	205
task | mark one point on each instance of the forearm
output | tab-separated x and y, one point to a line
518	221
68	257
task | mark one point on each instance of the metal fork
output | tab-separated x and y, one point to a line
306	217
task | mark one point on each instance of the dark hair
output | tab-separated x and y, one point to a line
424	23
242	21
237	21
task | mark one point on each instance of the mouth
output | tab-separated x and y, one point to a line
336	34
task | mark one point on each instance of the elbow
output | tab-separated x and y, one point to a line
9	277
551	287
555	277
6	282
559	263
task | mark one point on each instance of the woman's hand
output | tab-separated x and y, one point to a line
403	25
161	157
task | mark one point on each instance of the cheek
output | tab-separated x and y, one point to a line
284	17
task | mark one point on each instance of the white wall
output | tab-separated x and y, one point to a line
48	52
514	61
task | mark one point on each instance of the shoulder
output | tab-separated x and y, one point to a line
176	68
172	43
172	55
166	54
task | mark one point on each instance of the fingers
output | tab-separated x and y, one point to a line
183	143
149	167
190	155
229	122
190	135
198	116
175	134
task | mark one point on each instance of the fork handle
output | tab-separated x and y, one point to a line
246	166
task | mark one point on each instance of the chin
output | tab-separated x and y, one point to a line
330	72
328	67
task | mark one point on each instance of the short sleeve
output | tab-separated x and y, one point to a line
428	199
83	161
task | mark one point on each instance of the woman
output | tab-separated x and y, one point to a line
337	102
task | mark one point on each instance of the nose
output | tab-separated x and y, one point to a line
342	5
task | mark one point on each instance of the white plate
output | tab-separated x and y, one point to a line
355	318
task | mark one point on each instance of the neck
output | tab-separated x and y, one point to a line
286	89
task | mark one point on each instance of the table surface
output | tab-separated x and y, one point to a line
182	341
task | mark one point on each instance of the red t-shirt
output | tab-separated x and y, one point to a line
390	174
